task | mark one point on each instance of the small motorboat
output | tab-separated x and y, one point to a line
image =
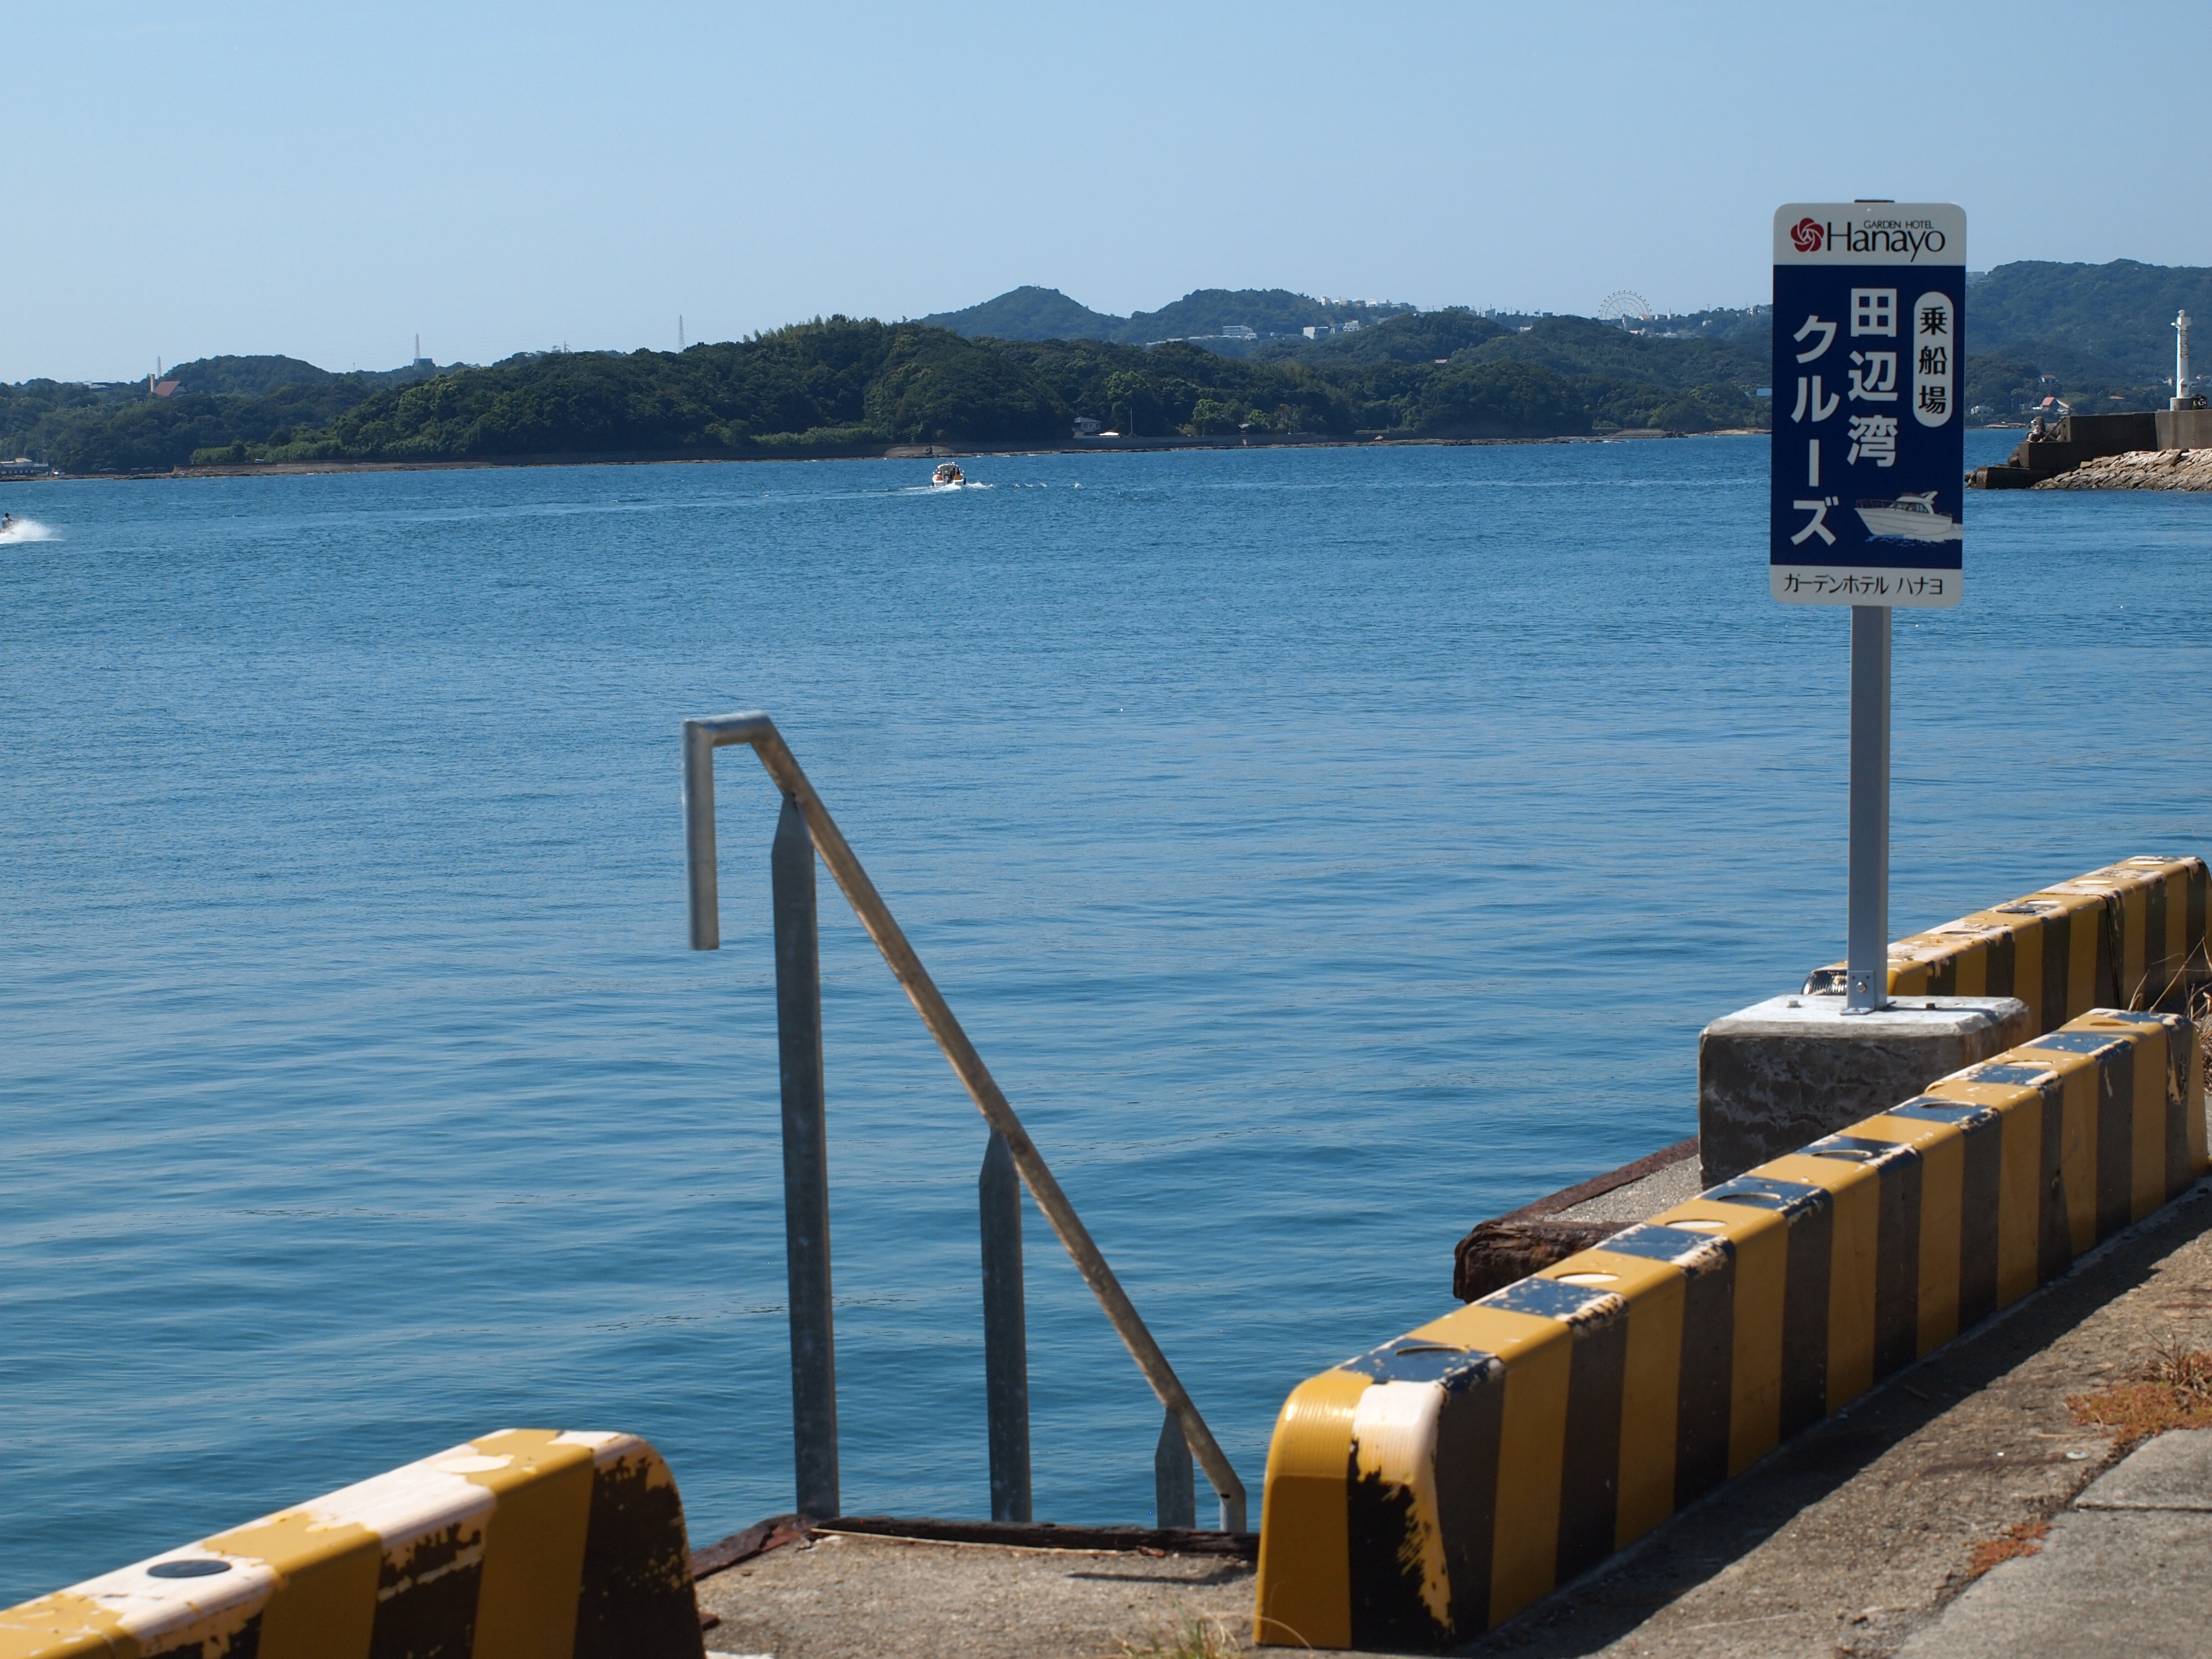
948	473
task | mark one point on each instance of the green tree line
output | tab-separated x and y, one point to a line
844	383
2096	335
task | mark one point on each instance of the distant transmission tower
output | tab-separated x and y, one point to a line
1620	305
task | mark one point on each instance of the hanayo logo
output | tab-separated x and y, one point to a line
1807	234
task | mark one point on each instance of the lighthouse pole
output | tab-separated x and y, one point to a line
2181	361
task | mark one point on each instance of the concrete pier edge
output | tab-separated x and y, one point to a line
1434	1487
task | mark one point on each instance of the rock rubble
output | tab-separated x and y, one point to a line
2139	469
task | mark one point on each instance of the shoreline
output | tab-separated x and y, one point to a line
869	452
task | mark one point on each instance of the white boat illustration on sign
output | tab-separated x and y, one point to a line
1910	518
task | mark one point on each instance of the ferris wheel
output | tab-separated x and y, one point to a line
1620	305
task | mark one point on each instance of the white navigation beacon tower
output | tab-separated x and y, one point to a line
2181	361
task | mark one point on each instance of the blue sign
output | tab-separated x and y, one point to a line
1870	366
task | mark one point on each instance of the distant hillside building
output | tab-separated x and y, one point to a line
1238	331
168	388
1319	330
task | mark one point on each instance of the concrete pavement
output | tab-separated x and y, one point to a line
2127	1570
838	1595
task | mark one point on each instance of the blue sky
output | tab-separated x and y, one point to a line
193	179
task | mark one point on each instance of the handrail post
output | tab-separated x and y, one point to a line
1006	1340
706	900
806	1167
1175	1490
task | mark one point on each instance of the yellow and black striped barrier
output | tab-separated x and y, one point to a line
1422	1492
527	1544
2124	936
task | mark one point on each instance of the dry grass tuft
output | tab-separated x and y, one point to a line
2022	1538
2170	1389
1188	1637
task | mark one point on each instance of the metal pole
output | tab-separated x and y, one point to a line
1174	1494
700	739
1866	974
806	1167
1005	1340
706	903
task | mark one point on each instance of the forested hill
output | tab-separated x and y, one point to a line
2122	312
2100	337
120	428
1046	313
847	383
251	376
1029	314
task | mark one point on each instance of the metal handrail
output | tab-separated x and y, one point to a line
700	739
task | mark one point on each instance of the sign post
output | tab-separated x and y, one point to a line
1869	474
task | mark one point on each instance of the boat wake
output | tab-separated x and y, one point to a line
26	530
972	483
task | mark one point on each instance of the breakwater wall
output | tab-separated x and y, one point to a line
2125	935
2131	935
524	1543
1775	1075
1425	1490
1422	1492
2079	439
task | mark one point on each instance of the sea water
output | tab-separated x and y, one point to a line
1325	849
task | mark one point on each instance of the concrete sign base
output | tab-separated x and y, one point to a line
1787	1071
